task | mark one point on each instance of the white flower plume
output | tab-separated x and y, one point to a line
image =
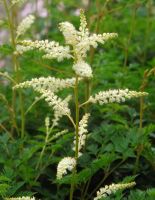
69	32
82	133
50	83
59	106
66	164
47	88
109	189
51	49
57	135
25	25
81	39
117	96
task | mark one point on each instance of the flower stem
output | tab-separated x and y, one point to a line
141	113
11	21
87	94
86	102
76	135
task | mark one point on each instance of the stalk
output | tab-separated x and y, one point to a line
88	86
87	94
48	132
42	152
141	114
11	18
76	93
132	27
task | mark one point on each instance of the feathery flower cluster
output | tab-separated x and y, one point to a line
112	96
81	41
59	106
69	32
50	83
47	87
82	69
57	135
109	189
25	25
51	49
82	133
20	198
67	163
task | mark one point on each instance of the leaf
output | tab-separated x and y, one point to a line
15	187
93	149
151	193
137	195
4	179
3	188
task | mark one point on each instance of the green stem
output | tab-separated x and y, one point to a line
30	107
141	112
8	132
81	105
11	21
87	94
147	32
132	27
48	131
77	117
76	135
41	155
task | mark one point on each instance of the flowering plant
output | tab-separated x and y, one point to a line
78	43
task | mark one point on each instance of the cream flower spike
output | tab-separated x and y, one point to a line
47	88
81	39
66	164
82	133
51	49
59	106
83	22
109	189
112	96
25	25
69	32
57	135
50	83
